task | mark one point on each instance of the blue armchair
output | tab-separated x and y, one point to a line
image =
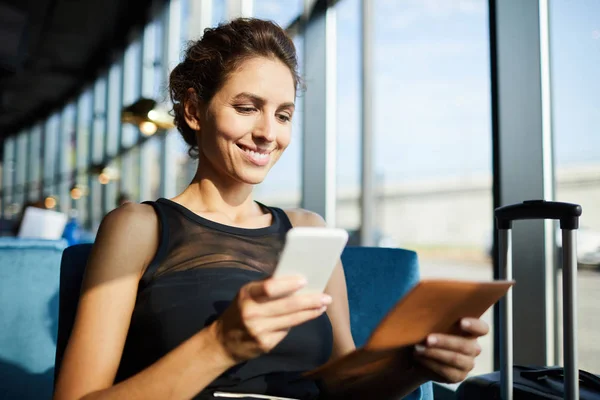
29	284
376	279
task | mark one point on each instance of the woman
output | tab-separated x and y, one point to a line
177	300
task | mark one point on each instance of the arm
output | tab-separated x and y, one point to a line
126	243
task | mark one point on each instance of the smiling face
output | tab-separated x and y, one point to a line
247	124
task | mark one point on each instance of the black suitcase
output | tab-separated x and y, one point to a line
530	383
520	382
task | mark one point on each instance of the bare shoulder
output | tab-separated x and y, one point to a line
301	217
130	216
130	231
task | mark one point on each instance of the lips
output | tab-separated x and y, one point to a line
256	156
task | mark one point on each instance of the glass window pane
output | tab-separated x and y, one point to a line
114	109
21	172
432	127
150	169
130	175
282	12
152	72
33	166
8	169
84	125
99	127
68	156
575	56
50	144
132	87
219	11
348	174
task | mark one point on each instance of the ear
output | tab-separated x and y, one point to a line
192	109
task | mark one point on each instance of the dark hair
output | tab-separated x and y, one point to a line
221	50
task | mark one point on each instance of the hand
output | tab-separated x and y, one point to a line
262	314
449	358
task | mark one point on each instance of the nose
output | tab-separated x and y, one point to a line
265	128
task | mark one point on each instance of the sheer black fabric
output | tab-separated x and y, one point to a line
199	267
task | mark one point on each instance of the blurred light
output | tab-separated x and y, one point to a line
153	114
50	202
148	110
148	128
76	193
103	178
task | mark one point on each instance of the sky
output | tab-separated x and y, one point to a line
432	112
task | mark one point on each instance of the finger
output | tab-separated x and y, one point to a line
459	344
287	321
272	288
448	374
447	358
474	326
289	304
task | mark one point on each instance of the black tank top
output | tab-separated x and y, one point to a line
198	269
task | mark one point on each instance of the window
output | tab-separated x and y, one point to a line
113	134
21	166
132	90
83	155
219	12
282	12
575	56
8	169
67	159
50	147
349	119
432	128
33	164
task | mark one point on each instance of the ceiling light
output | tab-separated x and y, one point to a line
147	110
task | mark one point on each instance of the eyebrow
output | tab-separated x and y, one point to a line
260	100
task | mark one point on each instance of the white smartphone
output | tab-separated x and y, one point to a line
311	252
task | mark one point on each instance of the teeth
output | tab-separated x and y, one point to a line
255	154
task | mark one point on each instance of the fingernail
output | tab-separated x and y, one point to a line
465	324
326	299
419	348
323	309
431	340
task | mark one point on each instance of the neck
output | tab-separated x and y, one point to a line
212	191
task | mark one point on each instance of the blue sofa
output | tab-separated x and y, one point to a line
29	282
29	286
371	293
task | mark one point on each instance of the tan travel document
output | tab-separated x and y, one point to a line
431	306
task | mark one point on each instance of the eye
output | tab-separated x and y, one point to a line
245	109
284	117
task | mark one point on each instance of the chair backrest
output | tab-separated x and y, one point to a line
376	279
29	285
72	268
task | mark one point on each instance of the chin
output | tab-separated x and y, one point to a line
251	178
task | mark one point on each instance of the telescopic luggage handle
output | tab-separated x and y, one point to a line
568	214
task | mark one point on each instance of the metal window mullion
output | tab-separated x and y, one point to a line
90	161
319	139
104	156
523	169
368	203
